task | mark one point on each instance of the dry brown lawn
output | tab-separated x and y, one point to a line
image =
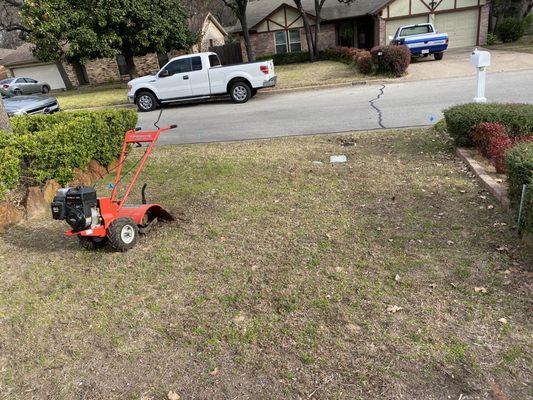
281	279
315	74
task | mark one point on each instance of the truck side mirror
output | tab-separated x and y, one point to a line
164	73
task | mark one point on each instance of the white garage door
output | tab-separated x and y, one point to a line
392	26
47	73
461	26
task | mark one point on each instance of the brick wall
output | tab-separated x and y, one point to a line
484	24
69	69
380	38
106	70
102	70
263	43
146	64
328	37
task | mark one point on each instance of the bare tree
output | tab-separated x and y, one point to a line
239	10
313	38
307	29
318	19
10	16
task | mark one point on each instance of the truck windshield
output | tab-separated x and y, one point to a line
416	30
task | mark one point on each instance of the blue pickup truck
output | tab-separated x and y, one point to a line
422	40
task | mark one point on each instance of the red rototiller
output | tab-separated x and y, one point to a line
98	221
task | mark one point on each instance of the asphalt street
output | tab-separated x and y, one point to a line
361	107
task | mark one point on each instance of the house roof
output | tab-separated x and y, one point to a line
21	55
4	53
197	23
332	10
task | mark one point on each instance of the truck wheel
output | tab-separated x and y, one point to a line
254	92
438	56
123	234
91	243
146	101
240	92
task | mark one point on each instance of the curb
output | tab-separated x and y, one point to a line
125	105
498	190
270	92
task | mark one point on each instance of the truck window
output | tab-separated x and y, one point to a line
416	30
196	63
213	60
179	66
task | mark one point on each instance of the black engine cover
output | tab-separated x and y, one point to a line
74	206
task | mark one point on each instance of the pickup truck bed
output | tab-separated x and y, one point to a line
200	76
422	40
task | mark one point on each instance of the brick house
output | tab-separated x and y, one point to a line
276	26
21	61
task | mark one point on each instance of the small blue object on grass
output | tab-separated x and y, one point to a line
110	185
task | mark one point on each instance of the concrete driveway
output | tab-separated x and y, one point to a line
456	63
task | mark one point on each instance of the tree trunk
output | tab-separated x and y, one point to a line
246	35
307	29
132	69
5	125
64	75
318	20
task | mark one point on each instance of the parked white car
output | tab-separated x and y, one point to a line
200	76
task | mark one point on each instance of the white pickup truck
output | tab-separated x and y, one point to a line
200	76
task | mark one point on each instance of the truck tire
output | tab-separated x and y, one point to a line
146	101
240	92
438	56
254	92
92	243
123	234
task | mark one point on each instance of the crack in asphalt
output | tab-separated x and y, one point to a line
380	114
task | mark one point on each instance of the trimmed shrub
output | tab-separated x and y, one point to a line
484	132
346	55
510	30
9	169
364	63
460	119
287	58
394	59
51	146
491	39
519	166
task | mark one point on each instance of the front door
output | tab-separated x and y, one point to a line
177	84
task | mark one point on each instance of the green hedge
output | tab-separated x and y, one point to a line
517	118
287	58
46	147
519	167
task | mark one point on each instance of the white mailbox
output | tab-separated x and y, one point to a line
480	58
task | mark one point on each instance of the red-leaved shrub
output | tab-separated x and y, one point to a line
394	59
340	53
498	145
484	132
364	62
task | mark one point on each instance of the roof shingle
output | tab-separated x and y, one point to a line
332	10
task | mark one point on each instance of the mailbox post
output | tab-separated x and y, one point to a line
480	60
